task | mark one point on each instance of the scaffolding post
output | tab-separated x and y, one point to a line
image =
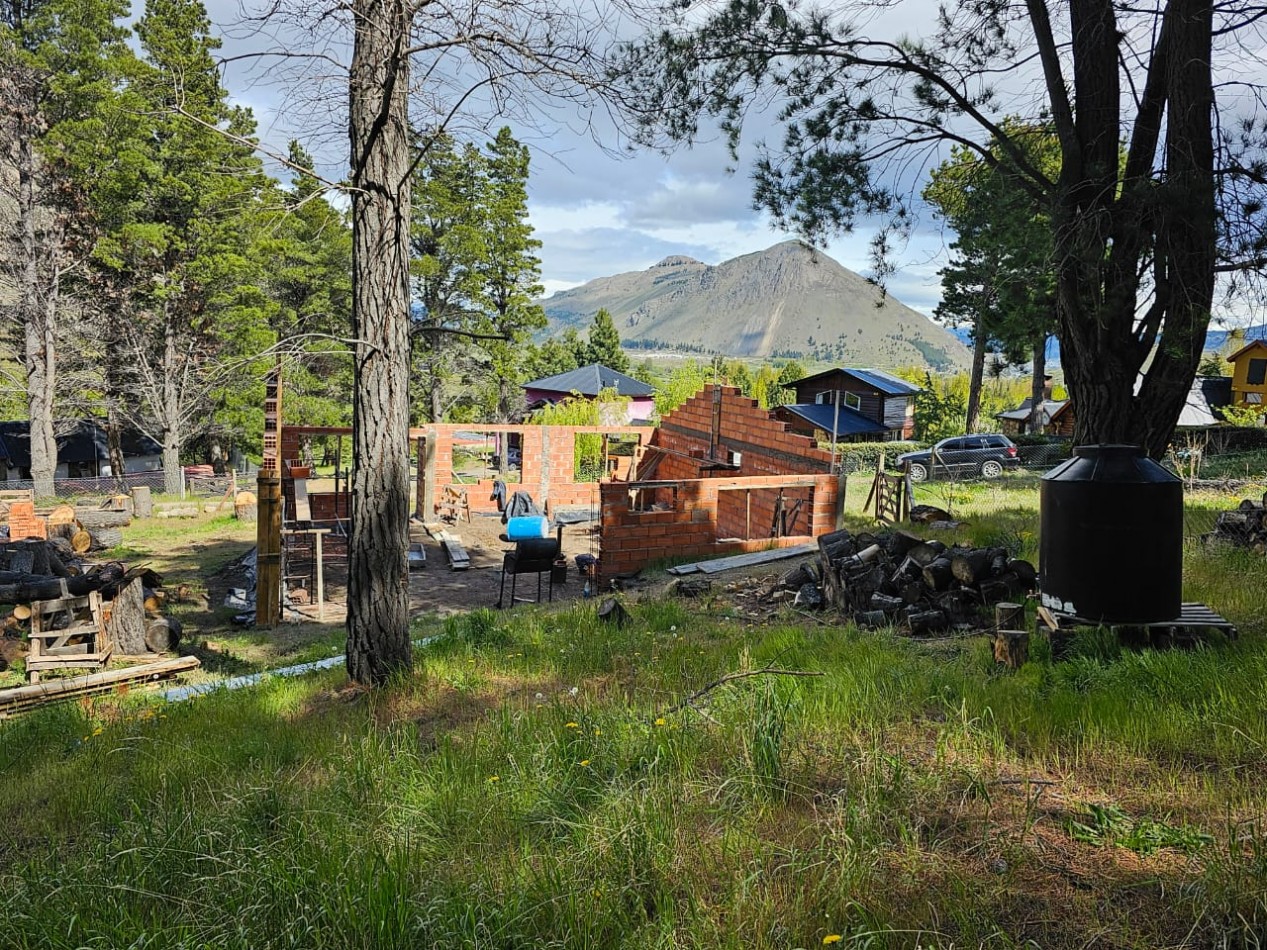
268	547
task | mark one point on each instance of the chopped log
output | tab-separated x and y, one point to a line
1024	571
799	576
106	538
142	502
62	515
924	554
153	602
183	511
162	634
92	518
926	621
81	542
1003	587
22	611
938	573
912	592
611	611
972	567
809	596
886	603
126	624
899	542
25	588
835	545
1009	616
872	619
1011	648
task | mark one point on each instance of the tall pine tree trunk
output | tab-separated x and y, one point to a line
980	341
1038	387
378	581
171	428
37	301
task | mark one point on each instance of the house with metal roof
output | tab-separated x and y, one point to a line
83	451
874	406
587	382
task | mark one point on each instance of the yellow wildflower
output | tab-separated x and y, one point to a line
660	721
830	939
494	778
571	725
585	763
598	732
98	731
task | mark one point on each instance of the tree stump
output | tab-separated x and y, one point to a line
1011	648
1009	616
105	538
126	624
142	503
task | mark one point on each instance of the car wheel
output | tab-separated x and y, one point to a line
918	471
991	468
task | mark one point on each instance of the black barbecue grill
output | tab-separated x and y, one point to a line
530	556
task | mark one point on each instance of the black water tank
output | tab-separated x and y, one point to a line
1112	537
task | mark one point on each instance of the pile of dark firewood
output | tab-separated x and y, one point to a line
893	578
1246	526
48	570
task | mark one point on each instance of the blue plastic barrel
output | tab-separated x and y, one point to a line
530	526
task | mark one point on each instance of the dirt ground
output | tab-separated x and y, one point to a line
436	589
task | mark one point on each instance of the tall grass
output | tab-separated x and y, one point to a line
526	787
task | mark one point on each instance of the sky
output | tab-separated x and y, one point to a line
597	208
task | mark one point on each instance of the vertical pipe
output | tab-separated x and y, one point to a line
835	427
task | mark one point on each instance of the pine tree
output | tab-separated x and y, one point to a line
604	343
60	66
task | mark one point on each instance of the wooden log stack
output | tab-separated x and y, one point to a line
1245	526
896	579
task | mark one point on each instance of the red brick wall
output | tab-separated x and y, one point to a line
548	467
766	445
706	509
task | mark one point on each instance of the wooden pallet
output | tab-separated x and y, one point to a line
1193	621
53	649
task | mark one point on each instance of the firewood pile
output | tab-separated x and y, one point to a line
1245	526
893	578
37	570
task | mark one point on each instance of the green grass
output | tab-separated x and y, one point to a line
524	787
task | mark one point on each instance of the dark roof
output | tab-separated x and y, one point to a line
886	383
851	421
590	380
1050	410
82	441
1207	394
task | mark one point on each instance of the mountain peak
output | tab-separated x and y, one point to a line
787	300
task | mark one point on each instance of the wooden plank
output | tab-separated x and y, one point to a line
22	698
459	560
303	509
744	560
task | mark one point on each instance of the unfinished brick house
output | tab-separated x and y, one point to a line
720	475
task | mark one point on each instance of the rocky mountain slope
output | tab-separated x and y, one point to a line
788	300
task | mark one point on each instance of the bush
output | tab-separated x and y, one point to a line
861	456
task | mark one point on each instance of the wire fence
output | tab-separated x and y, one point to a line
195	485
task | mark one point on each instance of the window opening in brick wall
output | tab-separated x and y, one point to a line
480	455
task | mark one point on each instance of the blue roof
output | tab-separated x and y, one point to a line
886	383
589	380
821	416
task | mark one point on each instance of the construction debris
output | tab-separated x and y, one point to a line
24	698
